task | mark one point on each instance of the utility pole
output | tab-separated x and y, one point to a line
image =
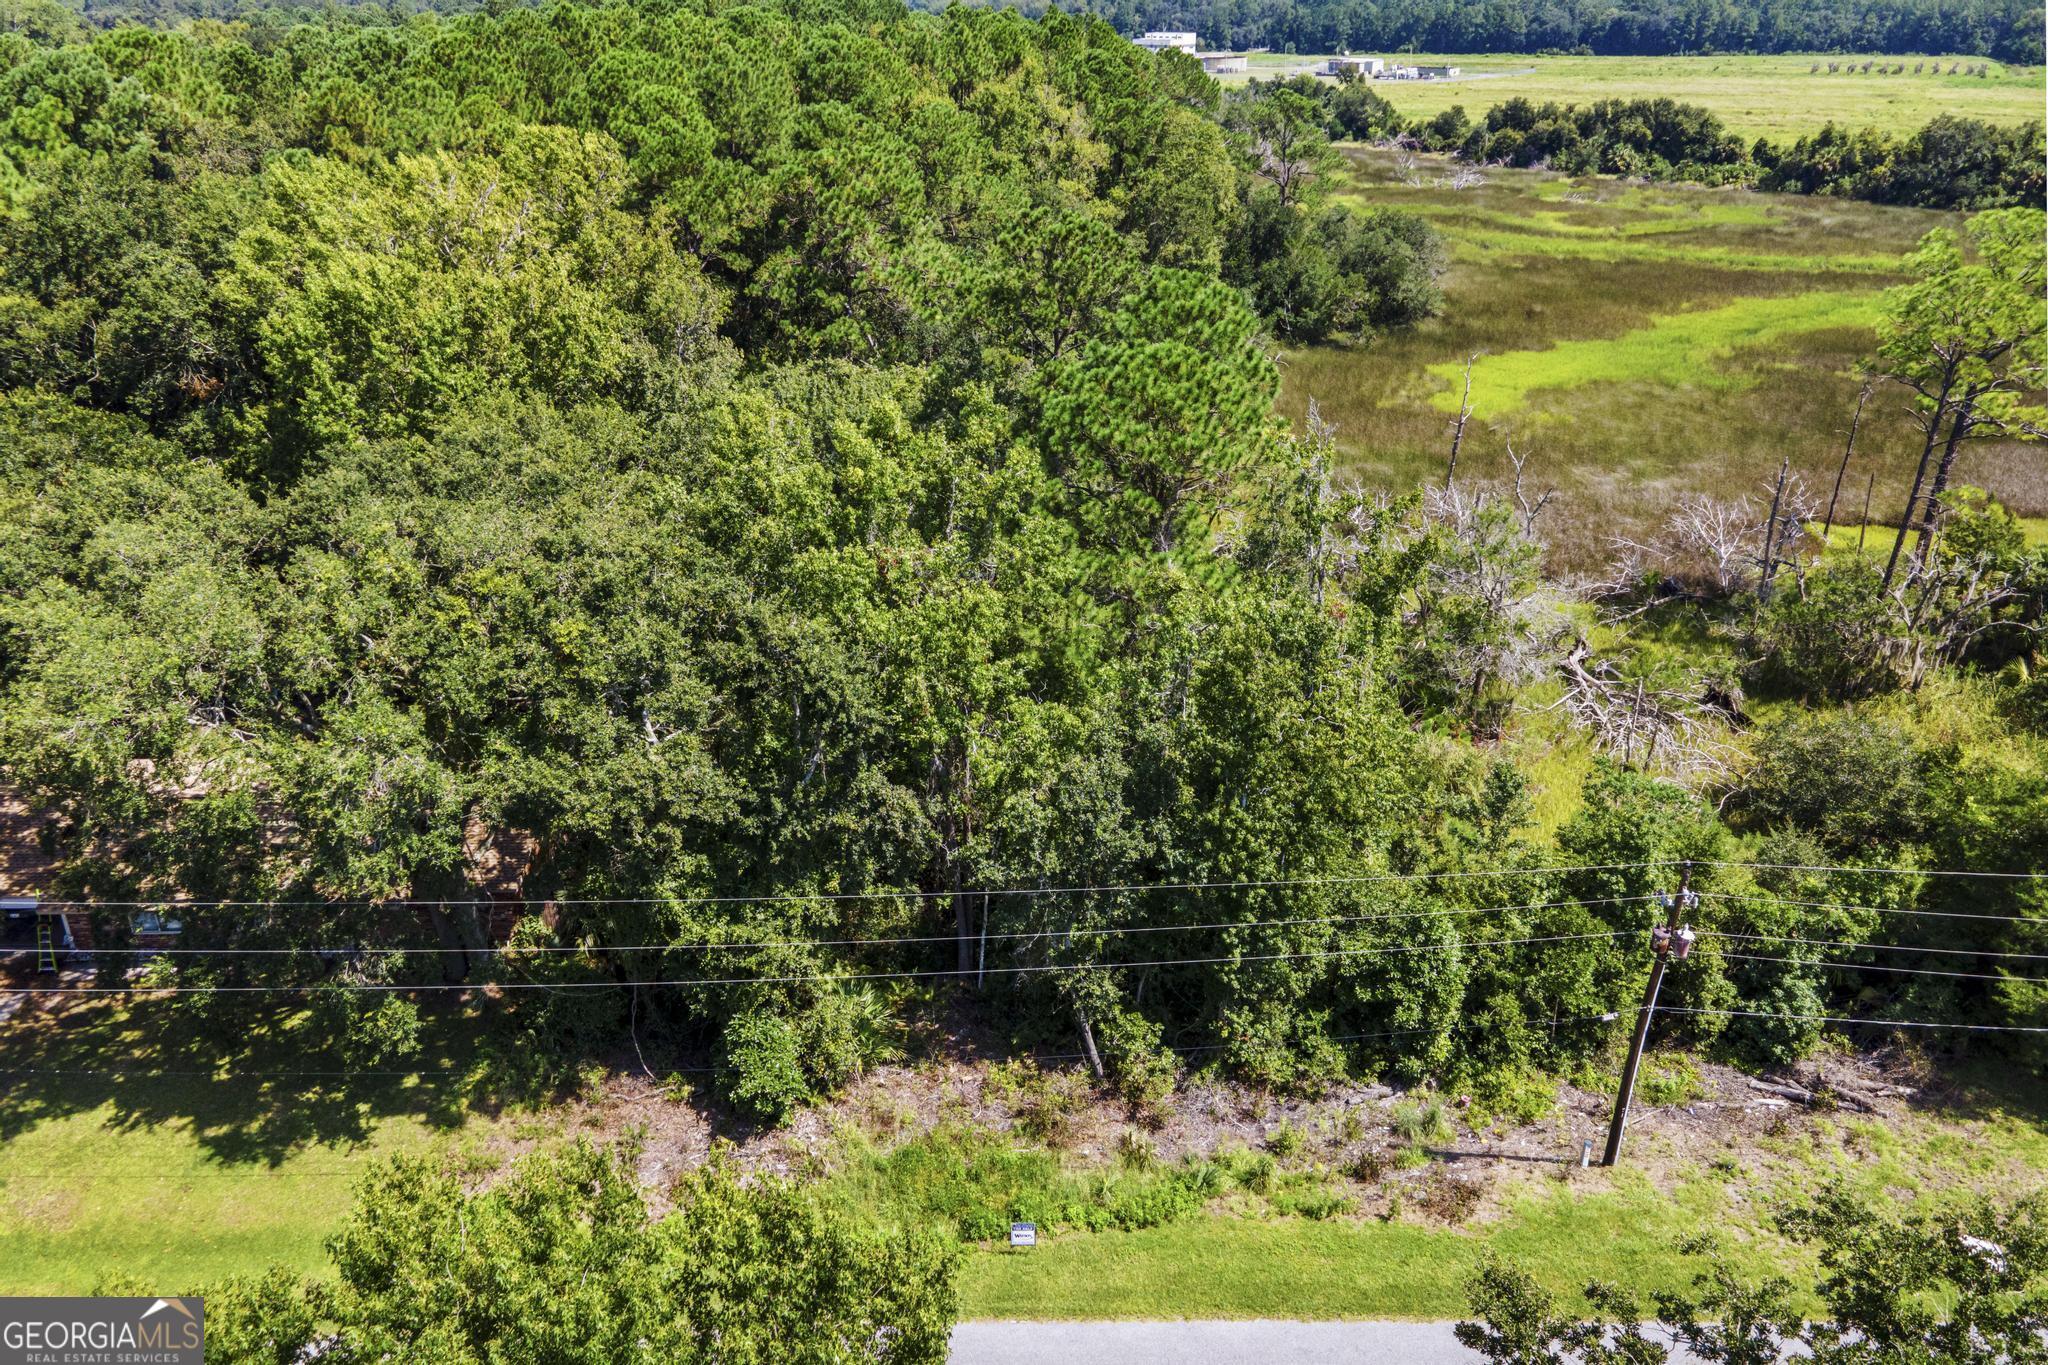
1666	940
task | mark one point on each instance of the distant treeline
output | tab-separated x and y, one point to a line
2009	30
1952	163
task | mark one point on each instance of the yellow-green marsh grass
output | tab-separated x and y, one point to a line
1675	349
1637	342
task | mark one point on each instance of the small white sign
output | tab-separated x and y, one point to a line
1023	1234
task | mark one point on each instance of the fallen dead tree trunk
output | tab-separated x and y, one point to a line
1824	1099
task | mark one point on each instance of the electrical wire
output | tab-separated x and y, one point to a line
799	942
452	1074
1890	871
1847	1019
1880	967
426	903
1876	947
821	976
1874	909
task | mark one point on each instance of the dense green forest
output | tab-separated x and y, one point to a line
805	488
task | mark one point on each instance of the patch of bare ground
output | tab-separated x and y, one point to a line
1739	1126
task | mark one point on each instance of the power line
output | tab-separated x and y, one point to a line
428	903
1889	871
1846	1019
452	1074
1876	909
1881	967
822	976
1070	932
1876	947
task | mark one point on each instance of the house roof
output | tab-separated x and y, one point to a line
498	860
26	868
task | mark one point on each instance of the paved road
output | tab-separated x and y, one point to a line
1209	1343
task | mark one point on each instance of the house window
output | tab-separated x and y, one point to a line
157	922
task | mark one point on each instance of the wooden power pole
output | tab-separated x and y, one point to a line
1669	938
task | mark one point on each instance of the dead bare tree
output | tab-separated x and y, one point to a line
1848	450
1407	165
1458	426
1955	601
1681	728
1529	508
1710	549
1483	615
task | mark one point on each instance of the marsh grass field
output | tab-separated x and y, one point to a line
1636	342
1780	97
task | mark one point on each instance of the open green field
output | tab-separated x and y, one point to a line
1636	342
1241	1268
1779	97
134	1148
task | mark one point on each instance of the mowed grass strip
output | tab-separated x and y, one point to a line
1676	349
1294	1268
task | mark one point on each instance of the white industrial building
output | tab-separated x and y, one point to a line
1356	66
1161	40
1219	63
1416	73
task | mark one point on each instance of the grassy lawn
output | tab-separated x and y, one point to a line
1779	97
1636	342
180	1178
1292	1268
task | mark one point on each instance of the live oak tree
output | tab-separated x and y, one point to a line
562	1262
1968	1281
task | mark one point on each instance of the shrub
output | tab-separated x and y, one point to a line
1143	1072
1152	1203
1135	1151
1447	1198
1048	1104
1783	1025
763	1051
1671	1079
1285	1141
1831	641
1854	781
844	1035
1316	1205
1419	1122
1521	1093
1254	1171
1370	1166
